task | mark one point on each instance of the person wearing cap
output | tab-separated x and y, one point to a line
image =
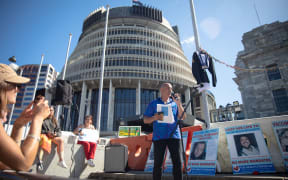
14	154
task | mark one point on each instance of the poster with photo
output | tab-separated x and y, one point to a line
248	150
281	134
203	153
150	160
168	166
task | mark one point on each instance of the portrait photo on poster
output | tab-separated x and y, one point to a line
283	139
199	150
246	144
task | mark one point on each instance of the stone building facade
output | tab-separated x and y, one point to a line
264	87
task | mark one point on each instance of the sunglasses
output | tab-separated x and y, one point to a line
13	86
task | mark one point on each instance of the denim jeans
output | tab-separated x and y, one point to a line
174	146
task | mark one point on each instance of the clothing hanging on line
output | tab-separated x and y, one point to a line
200	61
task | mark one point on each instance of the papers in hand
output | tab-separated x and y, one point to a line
89	135
167	113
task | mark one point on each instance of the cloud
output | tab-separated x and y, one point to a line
211	27
189	40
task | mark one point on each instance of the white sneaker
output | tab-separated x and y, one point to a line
90	163
62	164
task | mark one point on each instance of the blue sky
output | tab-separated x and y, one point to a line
30	28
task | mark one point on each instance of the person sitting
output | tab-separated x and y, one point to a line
89	147
14	154
51	132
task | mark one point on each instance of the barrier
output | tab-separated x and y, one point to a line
139	147
138	150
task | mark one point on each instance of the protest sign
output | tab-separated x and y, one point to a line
281	133
203	154
127	131
248	150
89	135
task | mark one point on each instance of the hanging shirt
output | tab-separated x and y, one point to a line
163	129
199	71
204	59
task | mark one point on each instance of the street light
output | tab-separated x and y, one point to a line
12	59
14	66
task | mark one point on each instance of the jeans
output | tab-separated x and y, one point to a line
174	146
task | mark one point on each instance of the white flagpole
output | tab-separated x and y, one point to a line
36	86
64	74
197	43
102	73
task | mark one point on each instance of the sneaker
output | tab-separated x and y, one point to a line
40	166
90	163
62	164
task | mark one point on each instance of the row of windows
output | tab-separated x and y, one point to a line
28	94
130	31
85	43
128	73
28	99
137	41
129	61
132	51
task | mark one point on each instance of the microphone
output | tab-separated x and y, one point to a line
173	95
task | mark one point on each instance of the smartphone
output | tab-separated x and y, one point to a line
160	113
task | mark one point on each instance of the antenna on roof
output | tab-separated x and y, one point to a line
257	13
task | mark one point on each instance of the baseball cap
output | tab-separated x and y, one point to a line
7	74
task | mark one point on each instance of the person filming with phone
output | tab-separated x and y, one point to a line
164	113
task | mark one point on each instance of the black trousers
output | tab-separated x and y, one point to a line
174	146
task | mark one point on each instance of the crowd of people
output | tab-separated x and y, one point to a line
164	113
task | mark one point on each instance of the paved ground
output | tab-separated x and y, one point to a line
137	175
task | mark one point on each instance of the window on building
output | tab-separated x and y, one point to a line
28	99
125	105
273	72
104	109
280	99
50	70
147	96
43	68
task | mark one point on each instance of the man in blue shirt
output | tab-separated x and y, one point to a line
164	113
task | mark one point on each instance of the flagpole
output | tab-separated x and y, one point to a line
197	43
64	74
36	86
102	73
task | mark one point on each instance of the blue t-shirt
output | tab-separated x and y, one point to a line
163	130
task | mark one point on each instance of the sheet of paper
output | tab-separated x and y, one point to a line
89	135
